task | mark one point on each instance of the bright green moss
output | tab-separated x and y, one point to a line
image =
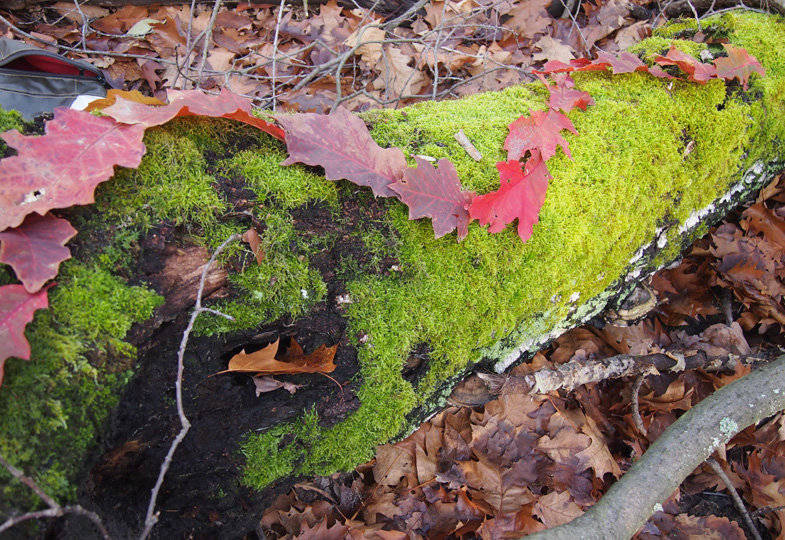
52	407
661	45
648	152
172	184
283	445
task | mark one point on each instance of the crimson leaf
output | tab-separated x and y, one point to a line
63	167
435	193
521	195
16	310
35	249
341	144
538	132
189	103
697	71
739	64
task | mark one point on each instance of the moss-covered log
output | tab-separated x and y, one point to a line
654	164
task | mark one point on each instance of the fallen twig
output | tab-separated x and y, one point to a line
152	516
572	374
54	510
735	496
682	447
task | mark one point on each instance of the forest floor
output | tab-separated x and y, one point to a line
488	466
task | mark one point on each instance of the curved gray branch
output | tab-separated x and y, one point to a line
686	444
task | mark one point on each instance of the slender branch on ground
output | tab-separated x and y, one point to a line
681	448
735	496
152	516
54	510
572	374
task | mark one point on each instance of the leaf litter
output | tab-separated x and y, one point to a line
521	463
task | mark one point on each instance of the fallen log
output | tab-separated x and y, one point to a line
654	164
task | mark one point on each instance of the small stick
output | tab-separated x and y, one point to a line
636	411
54	510
736	498
207	39
467	145
275	50
152	516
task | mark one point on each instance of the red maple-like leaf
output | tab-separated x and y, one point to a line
341	144
539	132
36	248
435	193
189	103
695	69
563	94
739	64
521	195
63	167
623	63
16	310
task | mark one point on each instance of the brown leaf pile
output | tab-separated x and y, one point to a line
522	463
310	61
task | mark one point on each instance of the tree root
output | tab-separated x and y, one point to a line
681	448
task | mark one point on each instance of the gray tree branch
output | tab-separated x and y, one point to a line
686	444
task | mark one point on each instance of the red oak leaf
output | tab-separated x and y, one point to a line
189	103
62	167
697	70
563	94
658	72
435	193
554	66
341	144
739	64
520	195
16	310
539	132
624	63
35	249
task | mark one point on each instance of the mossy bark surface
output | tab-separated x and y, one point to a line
655	162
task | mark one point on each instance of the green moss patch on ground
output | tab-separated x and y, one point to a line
648	153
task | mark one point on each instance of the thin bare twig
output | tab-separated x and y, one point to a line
735	496
54	510
275	49
152	516
207	39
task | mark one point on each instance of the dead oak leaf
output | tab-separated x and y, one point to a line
556	508
251	237
341	144
435	193
293	361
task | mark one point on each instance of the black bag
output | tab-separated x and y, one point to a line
35	81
